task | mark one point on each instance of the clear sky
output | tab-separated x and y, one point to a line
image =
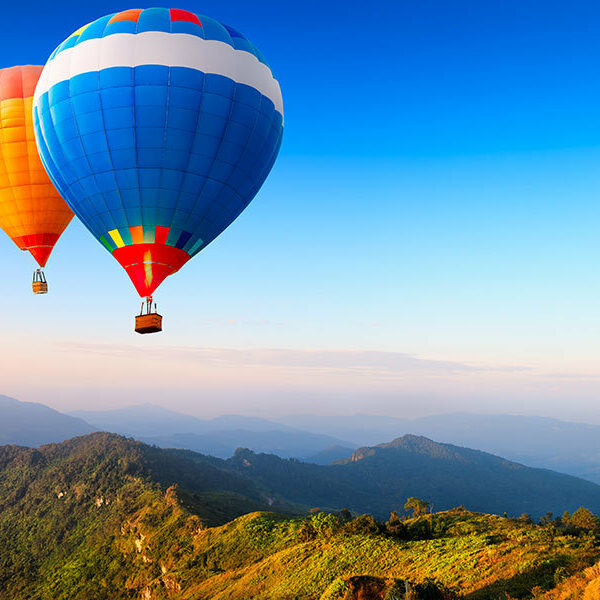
427	241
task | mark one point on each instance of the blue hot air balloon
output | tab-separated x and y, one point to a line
158	127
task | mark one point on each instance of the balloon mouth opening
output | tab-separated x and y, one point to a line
41	254
148	265
40	245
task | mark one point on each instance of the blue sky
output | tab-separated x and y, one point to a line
427	240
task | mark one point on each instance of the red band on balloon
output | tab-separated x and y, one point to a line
177	14
149	264
40	245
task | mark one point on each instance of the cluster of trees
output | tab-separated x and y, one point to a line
342	522
581	522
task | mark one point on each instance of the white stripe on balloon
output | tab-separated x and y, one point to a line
160	48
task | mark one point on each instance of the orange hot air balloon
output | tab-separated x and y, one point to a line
32	212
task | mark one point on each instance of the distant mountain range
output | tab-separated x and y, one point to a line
218	437
378	479
149	420
572	448
375	479
32	424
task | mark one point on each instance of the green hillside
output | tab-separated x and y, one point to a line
99	518
455	552
62	509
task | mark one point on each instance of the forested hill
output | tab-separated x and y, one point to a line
99	518
377	479
100	464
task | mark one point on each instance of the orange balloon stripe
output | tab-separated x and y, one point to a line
133	14
32	212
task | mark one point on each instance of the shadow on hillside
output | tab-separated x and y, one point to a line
517	586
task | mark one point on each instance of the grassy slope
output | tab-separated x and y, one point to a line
581	586
482	556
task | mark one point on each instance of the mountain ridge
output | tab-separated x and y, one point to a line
540	442
377	479
219	436
34	424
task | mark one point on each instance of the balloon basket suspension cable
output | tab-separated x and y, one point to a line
39	283
148	321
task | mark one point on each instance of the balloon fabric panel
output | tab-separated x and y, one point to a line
158	130
32	212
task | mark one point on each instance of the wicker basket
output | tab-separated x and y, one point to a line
39	287
150	323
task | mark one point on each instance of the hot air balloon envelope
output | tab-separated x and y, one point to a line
32	212
158	126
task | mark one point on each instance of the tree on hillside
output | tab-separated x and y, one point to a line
394	525
419	507
345	515
525	518
362	525
584	520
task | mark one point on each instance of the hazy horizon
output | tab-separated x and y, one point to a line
270	406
